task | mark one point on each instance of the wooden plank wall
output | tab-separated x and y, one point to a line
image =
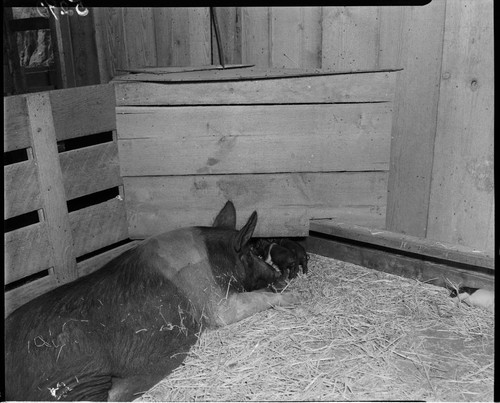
282	154
423	40
49	250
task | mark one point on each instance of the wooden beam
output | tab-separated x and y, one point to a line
43	139
404	243
390	261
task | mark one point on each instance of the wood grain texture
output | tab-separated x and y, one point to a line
43	138
90	169
19	296
415	113
462	189
153	203
182	36
98	226
83	44
400	265
203	140
110	41
367	87
21	189
83	111
255	47
139	36
229	19
350	38
296	37
27	251
16	124
406	243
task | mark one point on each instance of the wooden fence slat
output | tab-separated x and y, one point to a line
90	169
21	189
19	296
152	202
43	138
369	87
462	188
98	226
27	251
415	112
203	140
83	110
16	124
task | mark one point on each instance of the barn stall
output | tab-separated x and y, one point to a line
323	155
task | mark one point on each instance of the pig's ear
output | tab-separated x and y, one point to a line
226	217
245	233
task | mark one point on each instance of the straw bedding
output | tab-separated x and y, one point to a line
359	334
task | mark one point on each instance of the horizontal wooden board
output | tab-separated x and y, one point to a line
155	203
27	251
368	87
90	169
83	110
98	226
247	73
170	69
16	129
254	139
20	296
393	263
21	189
96	262
406	243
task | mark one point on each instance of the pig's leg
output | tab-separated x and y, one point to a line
242	305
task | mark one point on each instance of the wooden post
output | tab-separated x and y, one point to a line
43	138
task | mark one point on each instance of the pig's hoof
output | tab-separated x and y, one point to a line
290	298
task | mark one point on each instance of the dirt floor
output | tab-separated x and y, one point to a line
359	334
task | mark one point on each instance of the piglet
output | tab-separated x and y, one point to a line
300	255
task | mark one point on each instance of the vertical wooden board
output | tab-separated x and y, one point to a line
229	19
83	43
63	51
182	36
16	124
415	110
296	37
199	36
350	38
21	189
255	39
55	210
83	110
140	36
462	188
109	41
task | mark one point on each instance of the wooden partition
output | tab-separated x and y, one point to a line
291	144
61	175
